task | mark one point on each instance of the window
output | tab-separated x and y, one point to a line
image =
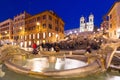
110	16
49	34
50	26
90	20
38	18
50	18
30	36
82	21
44	16
38	42
44	35
44	25
29	42
56	28
38	36
110	25
33	36
56	21
25	37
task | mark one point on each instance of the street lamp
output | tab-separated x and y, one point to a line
98	30
38	26
20	28
5	32
38	23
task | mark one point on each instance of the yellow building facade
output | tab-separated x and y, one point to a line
45	27
114	20
6	30
19	27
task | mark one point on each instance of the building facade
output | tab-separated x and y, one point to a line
114	20
84	26
87	26
19	27
24	29
6	30
43	28
105	26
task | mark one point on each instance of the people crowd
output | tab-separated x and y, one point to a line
75	44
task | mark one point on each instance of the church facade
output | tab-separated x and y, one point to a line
84	26
87	26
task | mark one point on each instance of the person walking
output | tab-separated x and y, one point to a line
34	46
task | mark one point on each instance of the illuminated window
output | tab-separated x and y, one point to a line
56	35
38	36
29	42
44	35
38	42
30	36
33	36
25	43
49	34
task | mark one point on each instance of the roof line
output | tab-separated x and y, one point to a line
113	6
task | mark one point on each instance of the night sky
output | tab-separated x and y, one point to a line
69	10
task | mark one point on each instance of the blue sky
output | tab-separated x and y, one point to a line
69	10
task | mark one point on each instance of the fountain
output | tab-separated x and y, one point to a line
54	64
51	64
